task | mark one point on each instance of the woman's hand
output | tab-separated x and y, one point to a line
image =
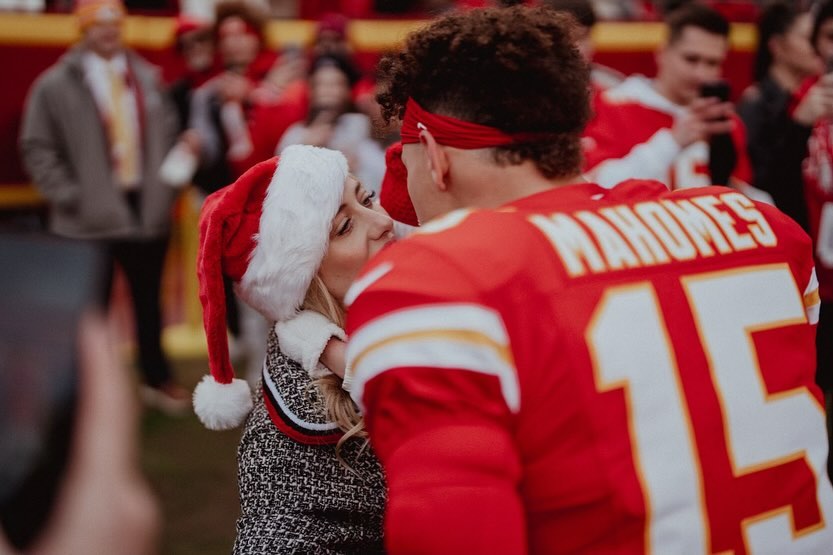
306	336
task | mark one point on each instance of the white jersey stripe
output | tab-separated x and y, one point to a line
812	301
453	336
366	281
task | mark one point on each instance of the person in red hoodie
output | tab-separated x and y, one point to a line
662	128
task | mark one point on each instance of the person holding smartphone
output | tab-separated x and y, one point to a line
660	128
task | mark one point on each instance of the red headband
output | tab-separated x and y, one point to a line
457	133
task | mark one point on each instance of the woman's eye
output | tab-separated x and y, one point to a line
344	227
368	200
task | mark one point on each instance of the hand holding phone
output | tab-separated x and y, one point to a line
722	152
69	478
716	89
45	286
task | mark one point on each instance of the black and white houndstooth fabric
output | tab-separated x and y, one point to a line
297	497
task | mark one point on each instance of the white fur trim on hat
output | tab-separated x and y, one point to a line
302	199
222	406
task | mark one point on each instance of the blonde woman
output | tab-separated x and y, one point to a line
292	233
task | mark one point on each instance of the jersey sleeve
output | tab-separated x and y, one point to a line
802	263
434	375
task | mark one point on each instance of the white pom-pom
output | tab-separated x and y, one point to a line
222	406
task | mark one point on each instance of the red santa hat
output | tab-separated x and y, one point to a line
268	232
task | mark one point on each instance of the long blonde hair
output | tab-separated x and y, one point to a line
338	405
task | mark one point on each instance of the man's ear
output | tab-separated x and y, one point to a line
436	158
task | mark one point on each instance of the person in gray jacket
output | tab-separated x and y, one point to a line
96	129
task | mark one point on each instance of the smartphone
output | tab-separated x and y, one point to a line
46	285
718	89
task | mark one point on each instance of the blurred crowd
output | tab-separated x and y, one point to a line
737	10
237	102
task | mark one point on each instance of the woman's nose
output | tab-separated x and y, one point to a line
381	225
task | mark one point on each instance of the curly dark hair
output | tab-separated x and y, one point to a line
516	69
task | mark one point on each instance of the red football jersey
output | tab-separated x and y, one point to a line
592	370
630	137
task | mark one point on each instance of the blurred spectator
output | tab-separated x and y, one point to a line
822	36
660	128
333	122
777	142
218	108
194	44
331	37
282	98
601	77
221	113
96	128
818	188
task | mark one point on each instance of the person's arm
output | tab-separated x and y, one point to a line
439	394
649	160
311	339
43	154
613	159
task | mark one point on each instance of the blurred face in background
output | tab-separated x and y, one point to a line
197	49
824	41
104	37
332	43
794	51
237	43
684	65
329	88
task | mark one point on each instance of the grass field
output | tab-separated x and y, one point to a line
193	472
